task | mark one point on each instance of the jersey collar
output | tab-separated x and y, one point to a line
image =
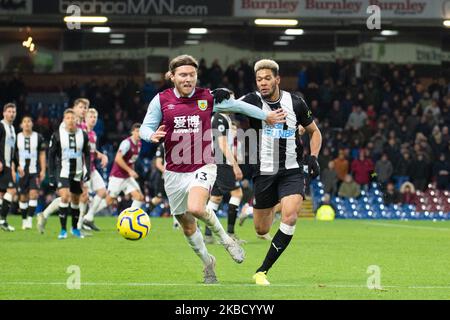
178	95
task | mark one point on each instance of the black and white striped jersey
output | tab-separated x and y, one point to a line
279	147
7	143
28	149
68	153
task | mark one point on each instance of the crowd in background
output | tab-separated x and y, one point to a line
378	122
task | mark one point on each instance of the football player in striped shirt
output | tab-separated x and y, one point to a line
69	154
31	160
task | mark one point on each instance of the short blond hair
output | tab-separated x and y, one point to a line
93	111
267	64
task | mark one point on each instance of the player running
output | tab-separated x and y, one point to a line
279	176
80	107
68	154
183	116
123	177
95	184
31	160
228	174
7	164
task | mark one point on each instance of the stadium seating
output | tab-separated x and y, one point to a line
431	204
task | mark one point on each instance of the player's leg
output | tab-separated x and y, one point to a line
64	193
291	190
6	208
200	183
83	206
97	185
195	239
132	187
42	217
76	193
233	209
32	205
100	195
23	209
213	204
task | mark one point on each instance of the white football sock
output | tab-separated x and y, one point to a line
137	204
102	205
198	245
93	208
211	220
52	208
83	209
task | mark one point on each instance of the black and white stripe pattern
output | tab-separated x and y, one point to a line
67	149
28	149
279	146
7	143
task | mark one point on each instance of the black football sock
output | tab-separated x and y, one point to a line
5	209
31	211
75	212
23	208
279	243
232	215
63	213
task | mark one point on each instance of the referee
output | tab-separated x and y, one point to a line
278	174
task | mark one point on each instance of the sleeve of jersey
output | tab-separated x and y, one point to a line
2	138
41	144
220	125
240	106
303	113
152	119
87	153
124	147
52	152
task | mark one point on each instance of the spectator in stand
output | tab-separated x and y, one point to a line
408	193
329	179
403	166
349	188
325	156
384	170
391	196
341	166
362	168
441	171
420	172
215	74
357	118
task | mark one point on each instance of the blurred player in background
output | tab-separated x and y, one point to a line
95	184
69	154
31	159
7	164
228	174
122	177
160	193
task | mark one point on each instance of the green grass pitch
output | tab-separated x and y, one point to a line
326	260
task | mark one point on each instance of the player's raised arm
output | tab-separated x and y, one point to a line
149	130
237	106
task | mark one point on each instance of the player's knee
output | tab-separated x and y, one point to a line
196	210
262	229
101	193
139	197
237	193
290	218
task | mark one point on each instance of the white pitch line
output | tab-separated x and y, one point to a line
380	224
155	284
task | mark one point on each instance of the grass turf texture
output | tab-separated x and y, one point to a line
324	261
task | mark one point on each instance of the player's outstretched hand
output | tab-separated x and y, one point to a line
277	116
313	167
221	94
158	135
